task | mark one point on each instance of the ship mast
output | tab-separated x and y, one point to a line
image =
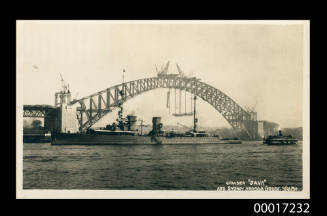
195	120
120	105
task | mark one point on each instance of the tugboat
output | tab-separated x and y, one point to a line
280	139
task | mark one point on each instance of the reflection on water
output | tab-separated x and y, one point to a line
159	167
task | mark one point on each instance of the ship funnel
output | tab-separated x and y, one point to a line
156	125
131	122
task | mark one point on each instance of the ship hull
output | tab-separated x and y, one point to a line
95	139
36	138
280	141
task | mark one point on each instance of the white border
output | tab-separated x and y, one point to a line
163	194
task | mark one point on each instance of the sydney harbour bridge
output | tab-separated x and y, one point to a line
92	108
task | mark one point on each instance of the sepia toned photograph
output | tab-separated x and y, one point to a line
162	109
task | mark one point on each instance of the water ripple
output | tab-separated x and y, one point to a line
167	167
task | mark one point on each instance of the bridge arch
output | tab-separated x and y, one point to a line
92	108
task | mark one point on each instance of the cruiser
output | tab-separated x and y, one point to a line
124	132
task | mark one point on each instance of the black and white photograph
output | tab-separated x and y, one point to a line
162	109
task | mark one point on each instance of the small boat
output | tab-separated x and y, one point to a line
280	139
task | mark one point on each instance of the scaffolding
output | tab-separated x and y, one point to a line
179	101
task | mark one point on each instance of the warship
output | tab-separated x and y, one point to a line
124	131
37	138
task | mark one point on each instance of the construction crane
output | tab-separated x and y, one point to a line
65	88
180	72
163	71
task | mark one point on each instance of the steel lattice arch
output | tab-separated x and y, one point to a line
37	111
95	106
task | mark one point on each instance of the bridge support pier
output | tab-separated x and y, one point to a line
68	117
251	126
62	119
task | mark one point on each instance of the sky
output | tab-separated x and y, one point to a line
257	65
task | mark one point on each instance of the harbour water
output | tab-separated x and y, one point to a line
160	167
